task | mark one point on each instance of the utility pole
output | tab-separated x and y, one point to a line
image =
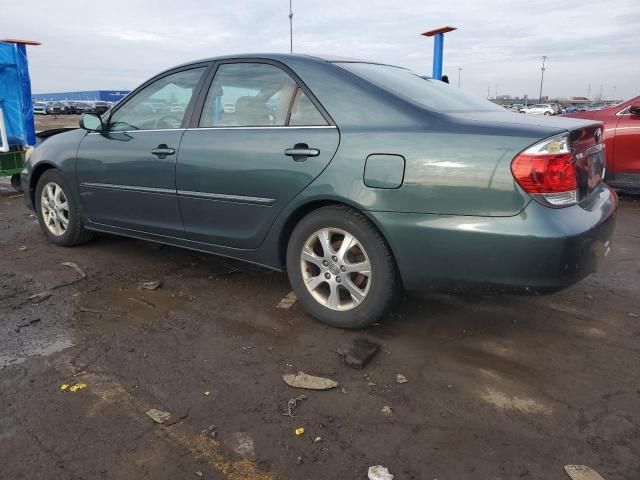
460	71
290	26
589	92
488	94
600	92
613	97
544	59
496	91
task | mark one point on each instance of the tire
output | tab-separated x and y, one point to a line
356	285
15	182
74	232
547	113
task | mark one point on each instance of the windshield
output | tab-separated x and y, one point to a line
432	94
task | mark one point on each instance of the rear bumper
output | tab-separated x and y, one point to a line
539	250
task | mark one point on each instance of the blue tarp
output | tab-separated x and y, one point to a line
15	95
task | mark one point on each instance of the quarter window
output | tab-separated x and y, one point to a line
160	105
304	112
248	95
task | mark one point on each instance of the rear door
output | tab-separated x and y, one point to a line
256	140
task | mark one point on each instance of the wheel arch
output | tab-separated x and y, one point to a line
305	209
35	177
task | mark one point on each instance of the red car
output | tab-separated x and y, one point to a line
622	142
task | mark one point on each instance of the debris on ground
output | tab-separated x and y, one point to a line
400	378
39	297
633	315
75	267
317	439
210	432
359	353
199	473
22	248
344	390
151	285
304	380
299	431
299	460
582	472
158	416
242	443
378	472
292	404
64	386
28	324
207	393
287	302
387	411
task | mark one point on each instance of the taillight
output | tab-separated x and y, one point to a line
547	172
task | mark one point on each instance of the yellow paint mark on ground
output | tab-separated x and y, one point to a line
508	402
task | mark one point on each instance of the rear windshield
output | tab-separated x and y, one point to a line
429	93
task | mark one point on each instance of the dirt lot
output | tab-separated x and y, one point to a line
499	387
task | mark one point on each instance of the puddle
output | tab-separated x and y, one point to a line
36	350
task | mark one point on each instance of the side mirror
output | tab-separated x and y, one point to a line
634	109
91	122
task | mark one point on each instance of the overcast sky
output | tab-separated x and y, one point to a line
118	44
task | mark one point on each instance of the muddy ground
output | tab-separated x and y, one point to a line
499	387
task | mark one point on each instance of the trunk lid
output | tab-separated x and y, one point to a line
589	158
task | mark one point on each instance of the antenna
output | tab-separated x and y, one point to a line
290	26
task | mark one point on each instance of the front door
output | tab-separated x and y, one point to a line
627	144
260	141
126	174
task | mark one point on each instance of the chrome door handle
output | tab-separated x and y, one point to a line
301	151
161	151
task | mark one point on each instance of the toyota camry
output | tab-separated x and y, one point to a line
357	178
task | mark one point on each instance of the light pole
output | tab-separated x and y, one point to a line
544	59
290	26
459	73
613	97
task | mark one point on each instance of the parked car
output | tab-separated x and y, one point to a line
622	142
55	108
40	108
539	109
100	107
360	179
83	107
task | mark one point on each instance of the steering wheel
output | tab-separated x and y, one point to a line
168	121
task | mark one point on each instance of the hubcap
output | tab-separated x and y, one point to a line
336	269
54	208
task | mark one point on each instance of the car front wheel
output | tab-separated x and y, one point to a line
341	268
58	213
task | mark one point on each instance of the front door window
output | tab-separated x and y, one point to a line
160	105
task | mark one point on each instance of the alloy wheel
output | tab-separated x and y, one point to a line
55	209
336	269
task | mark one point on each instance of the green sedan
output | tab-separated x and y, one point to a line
357	178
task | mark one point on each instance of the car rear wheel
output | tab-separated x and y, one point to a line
341	268
547	113
57	211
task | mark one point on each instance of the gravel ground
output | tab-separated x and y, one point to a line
499	387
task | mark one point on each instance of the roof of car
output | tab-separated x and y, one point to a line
284	57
